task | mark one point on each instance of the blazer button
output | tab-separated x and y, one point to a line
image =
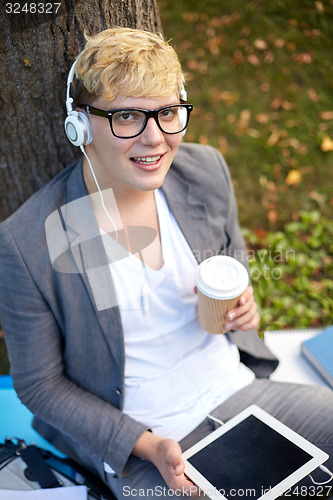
117	391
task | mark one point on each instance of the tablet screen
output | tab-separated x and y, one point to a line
248	460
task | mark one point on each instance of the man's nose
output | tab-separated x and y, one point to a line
152	134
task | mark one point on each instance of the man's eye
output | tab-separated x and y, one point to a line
167	114
126	116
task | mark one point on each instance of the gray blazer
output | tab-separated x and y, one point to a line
67	357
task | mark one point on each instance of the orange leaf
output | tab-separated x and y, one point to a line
274	137
262	118
253	59
326	115
272	216
303	58
293	178
243	121
261	233
312	93
326	144
260	44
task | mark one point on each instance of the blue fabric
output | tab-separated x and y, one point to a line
16	419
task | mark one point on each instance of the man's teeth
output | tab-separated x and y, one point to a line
148	159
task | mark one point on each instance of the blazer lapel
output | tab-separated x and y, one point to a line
191	215
91	261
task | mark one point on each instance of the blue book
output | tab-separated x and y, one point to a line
318	351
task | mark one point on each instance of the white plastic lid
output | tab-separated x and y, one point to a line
222	277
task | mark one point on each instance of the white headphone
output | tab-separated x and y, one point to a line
77	125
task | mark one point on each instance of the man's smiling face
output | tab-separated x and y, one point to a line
140	163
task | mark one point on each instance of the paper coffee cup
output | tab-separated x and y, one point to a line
220	281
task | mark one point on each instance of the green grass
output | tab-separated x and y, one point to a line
259	75
260	78
292	272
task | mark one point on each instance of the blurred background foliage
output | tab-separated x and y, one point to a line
259	74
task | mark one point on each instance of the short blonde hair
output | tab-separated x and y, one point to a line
129	62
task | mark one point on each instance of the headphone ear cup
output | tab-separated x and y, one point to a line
77	128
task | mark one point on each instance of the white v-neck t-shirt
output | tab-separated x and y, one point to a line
175	372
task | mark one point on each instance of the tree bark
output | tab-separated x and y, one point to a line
37	50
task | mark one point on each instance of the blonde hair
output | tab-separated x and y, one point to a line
129	62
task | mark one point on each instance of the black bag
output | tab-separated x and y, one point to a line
30	467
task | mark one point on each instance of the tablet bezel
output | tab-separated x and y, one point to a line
318	456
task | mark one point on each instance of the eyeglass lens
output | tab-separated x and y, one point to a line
130	122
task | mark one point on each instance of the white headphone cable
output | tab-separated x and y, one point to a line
323	468
100	193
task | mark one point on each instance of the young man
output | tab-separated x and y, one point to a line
98	300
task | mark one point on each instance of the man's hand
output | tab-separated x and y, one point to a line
245	316
165	454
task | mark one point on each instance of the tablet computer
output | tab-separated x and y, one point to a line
253	455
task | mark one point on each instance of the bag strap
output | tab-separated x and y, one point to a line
41	472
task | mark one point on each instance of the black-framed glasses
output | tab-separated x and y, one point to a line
130	122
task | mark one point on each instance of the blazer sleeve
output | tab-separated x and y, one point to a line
35	346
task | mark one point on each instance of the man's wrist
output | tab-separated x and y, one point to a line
146	446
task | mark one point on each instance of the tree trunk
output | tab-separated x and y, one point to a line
37	50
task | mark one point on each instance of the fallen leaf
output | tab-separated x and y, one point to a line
223	144
274	137
260	44
275	103
312	33
291	46
293	178
265	86
261	233
253	59
269	58
262	118
326	115
252	132
208	117
314	195
263	181
243	121
326	144
287	105
192	64
231	118
293	123
303	58
279	43
190	17
272	216
203	139
238	57
246	32
271	186
227	97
